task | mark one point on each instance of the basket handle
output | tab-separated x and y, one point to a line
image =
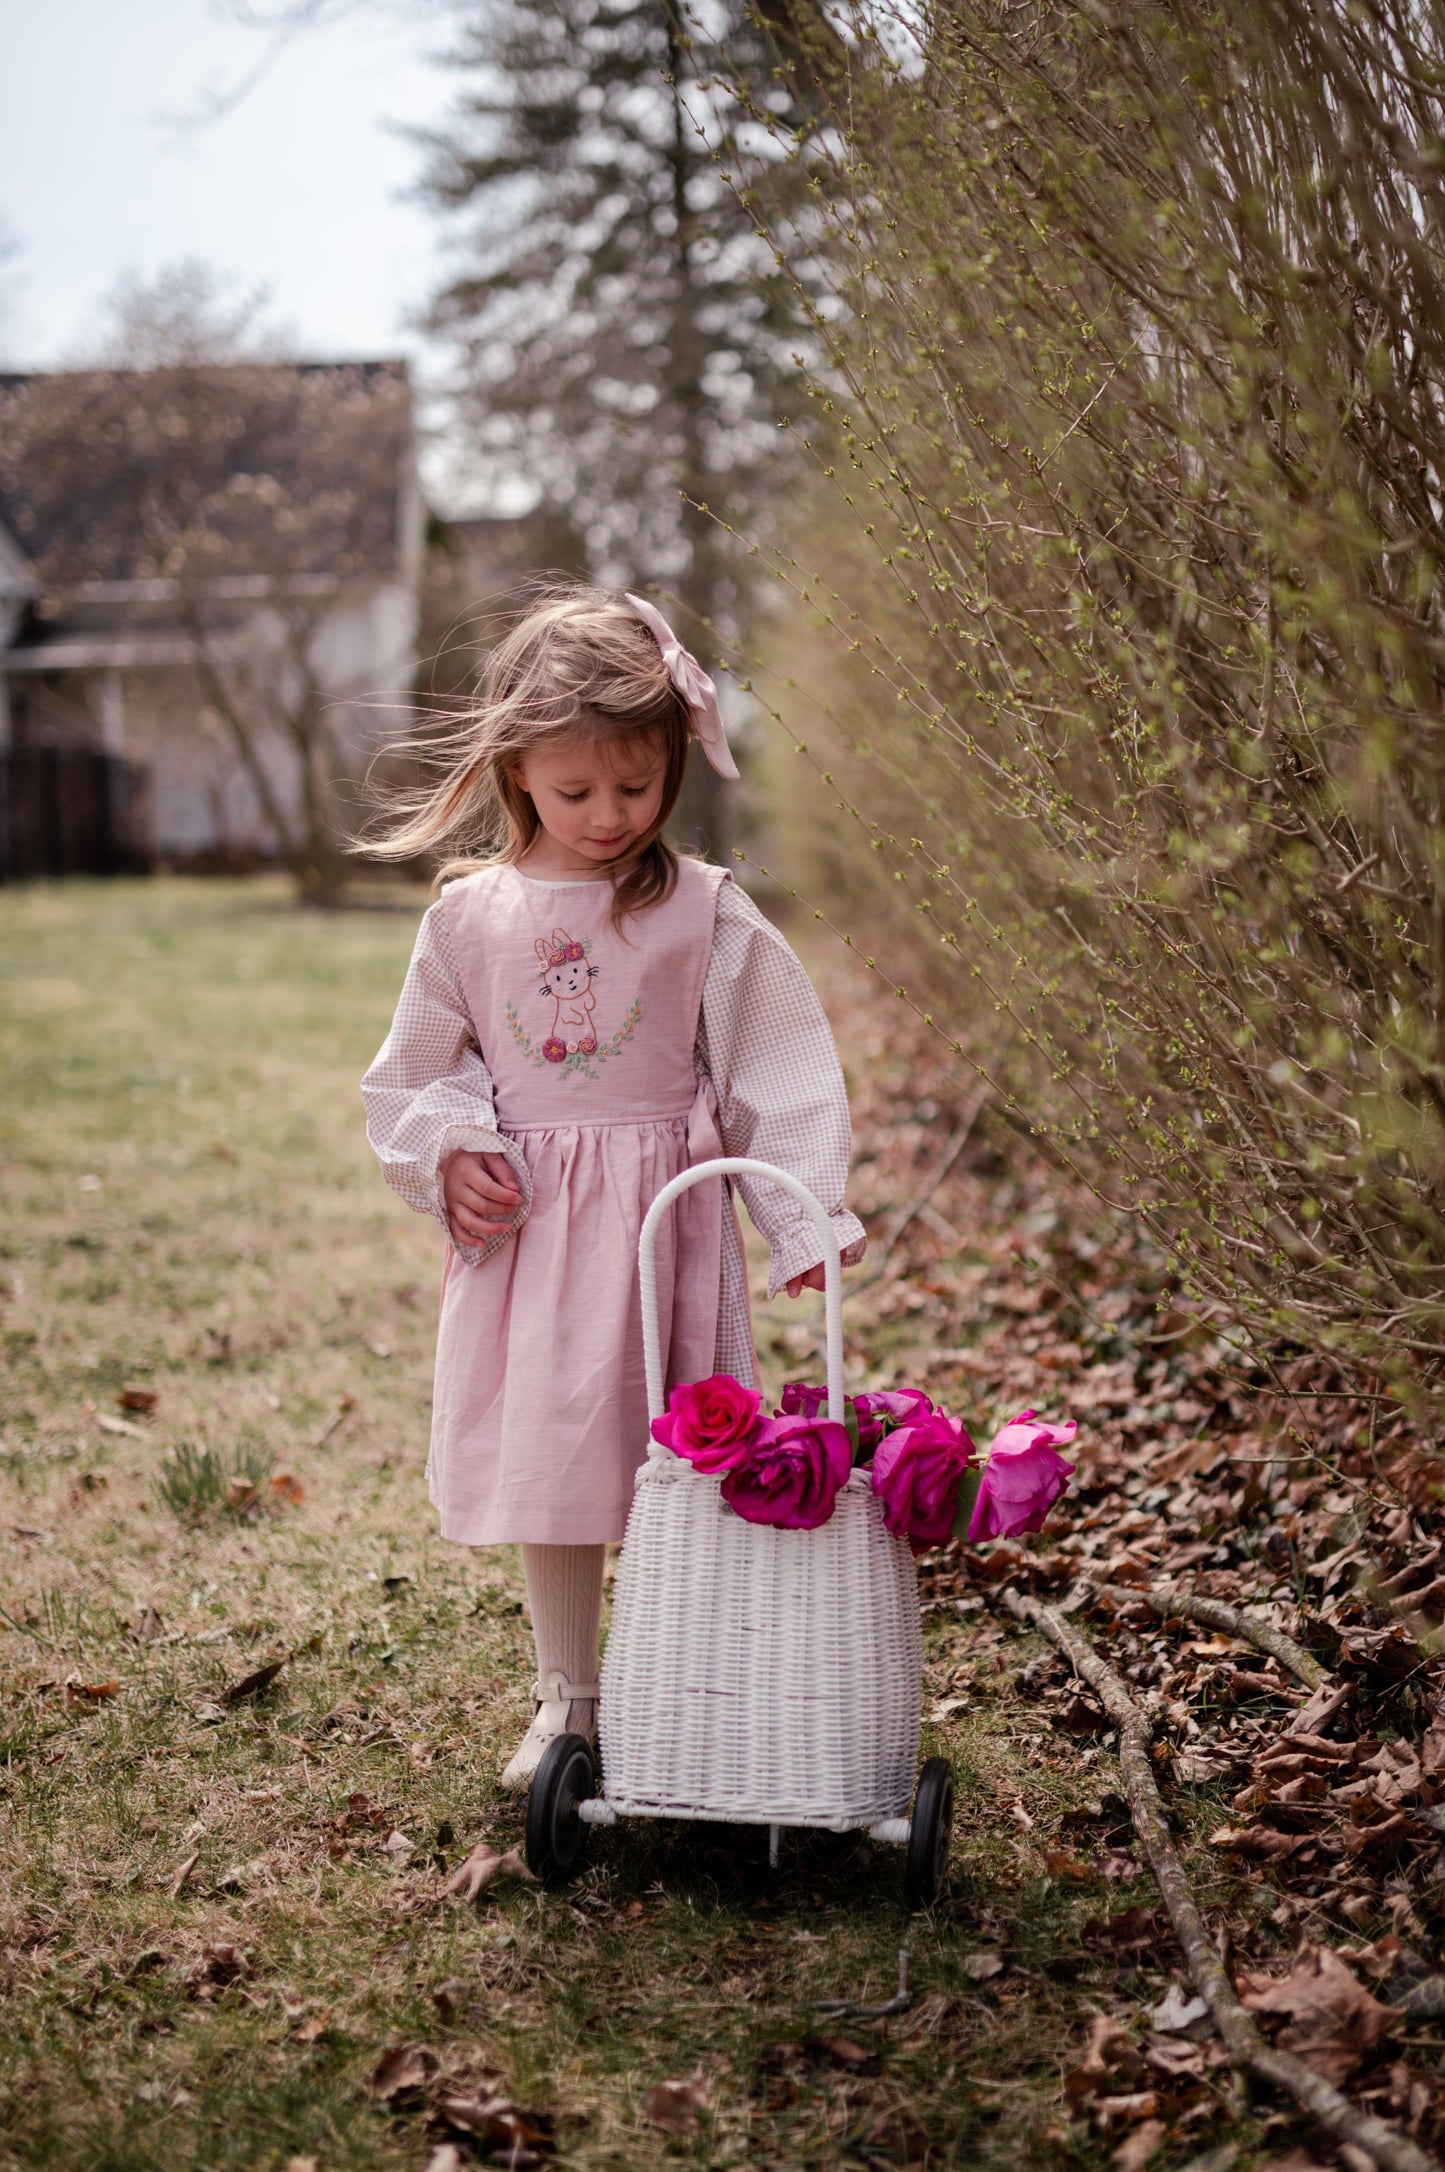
738	1165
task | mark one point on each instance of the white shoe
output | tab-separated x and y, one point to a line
559	1707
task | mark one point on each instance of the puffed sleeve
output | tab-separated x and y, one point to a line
429	1095
767	1047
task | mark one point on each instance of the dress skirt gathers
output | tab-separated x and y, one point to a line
533	1027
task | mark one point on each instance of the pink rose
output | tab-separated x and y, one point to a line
875	1414
881	1414
917	1471
791	1472
554	1050
588	1045
1022	1478
710	1422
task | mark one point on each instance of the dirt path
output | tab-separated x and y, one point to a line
222	1903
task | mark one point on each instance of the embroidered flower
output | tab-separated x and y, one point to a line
589	1046
553	1050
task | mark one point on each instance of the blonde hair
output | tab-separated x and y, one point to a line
580	664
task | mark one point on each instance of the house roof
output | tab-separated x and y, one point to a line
122	488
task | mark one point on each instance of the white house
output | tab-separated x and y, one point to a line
212	574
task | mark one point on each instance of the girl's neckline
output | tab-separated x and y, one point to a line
564	882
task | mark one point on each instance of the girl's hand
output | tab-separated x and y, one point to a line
815	1279
481	1195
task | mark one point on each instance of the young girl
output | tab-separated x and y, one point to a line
586	1014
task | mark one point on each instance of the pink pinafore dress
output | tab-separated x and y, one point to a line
588	1030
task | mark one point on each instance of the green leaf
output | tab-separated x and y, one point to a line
968	1487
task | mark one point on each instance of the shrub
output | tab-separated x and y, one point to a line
1138	396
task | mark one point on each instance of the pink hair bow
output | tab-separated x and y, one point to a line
695	687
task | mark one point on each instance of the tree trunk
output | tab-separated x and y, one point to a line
703	820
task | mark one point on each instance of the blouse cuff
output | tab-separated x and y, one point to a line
796	1249
474	1139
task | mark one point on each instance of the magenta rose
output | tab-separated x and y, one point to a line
790	1474
1022	1478
917	1471
801	1400
710	1422
554	1050
881	1414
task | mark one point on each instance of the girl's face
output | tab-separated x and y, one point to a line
596	797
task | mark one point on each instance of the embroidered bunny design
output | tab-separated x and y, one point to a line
567	978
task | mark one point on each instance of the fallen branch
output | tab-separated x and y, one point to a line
1392	2152
1167	1599
957	1140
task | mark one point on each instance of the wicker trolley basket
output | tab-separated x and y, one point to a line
753	1675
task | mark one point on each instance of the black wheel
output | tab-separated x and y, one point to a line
556	1836
932	1830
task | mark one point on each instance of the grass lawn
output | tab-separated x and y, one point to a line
206	1945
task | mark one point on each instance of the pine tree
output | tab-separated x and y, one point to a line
626	340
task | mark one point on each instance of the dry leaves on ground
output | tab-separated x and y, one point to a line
1332	2021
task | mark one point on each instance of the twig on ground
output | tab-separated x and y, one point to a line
957	1140
901	1999
1392	2152
345	1404
1167	1599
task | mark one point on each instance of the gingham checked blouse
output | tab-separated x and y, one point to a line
762	1039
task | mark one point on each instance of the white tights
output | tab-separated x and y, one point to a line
564	1598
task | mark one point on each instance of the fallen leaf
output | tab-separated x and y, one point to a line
1332	2020
312	2028
303	2164
91	1692
471	1878
841	2050
1109	2058
221	1964
134	1397
1177	2010
946	1710
497	2124
675	2106
122	1426
981	1966
1067	1869
1260	1843
398	1847
252	1685
148	1627
288	1488
404	2069
1377	1960
1135	2104
1133	1930
1175	2057
1135	2151
446	2157
183	1872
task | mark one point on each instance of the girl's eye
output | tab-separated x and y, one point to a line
635	791
572	798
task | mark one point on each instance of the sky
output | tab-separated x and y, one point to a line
300	188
